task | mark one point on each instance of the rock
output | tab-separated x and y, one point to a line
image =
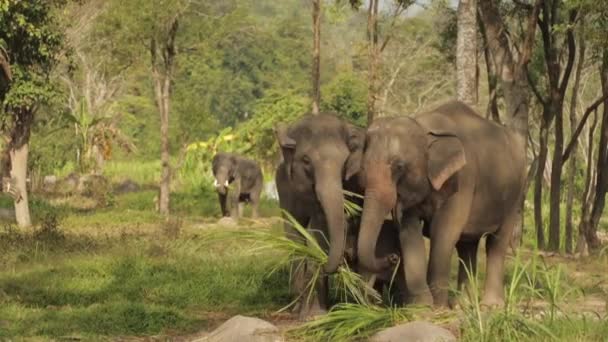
241	328
227	221
49	182
126	187
418	331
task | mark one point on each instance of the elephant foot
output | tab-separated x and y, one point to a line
424	298
492	302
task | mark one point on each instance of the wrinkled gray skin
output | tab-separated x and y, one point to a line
448	174
237	180
321	157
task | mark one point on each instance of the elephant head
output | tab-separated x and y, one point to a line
319	153
224	169
404	162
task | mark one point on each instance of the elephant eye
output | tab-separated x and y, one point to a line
305	159
398	165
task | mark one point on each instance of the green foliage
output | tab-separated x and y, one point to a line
32	39
346	95
253	138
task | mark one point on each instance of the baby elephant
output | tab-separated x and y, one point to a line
237	180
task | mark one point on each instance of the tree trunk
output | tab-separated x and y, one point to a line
18	152
374	60
19	173
588	194
573	161
601	186
162	69
165	177
466	52
316	56
556	180
538	186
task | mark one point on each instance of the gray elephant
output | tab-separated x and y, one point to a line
321	157
237	180
448	174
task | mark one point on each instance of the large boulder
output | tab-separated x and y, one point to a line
241	329
418	331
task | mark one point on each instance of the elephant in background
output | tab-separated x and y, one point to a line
321	158
237	180
448	174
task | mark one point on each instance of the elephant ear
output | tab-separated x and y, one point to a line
287	145
445	158
355	139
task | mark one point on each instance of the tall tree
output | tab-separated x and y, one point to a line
466	52
572	165
155	26
558	77
30	41
316	56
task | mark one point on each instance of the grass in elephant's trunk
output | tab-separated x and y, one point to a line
349	284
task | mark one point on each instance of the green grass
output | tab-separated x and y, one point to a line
129	287
122	271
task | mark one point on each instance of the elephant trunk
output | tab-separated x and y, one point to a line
221	181
380	198
329	193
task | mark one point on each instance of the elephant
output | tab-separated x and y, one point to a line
321	158
452	176
237	180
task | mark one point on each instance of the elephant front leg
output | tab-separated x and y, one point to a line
414	262
222	198
233	198
496	250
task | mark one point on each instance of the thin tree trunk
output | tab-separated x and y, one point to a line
538	186
374	56
601	186
556	180
316	56
165	178
466	52
588	193
162	69
573	161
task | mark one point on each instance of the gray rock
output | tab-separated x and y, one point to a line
240	329
418	331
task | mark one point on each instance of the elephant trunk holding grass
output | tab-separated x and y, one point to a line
237	180
448	174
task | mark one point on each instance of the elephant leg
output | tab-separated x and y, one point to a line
496	250
222	198
254	198
233	198
241	210
446	227
318	303
414	266
467	265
